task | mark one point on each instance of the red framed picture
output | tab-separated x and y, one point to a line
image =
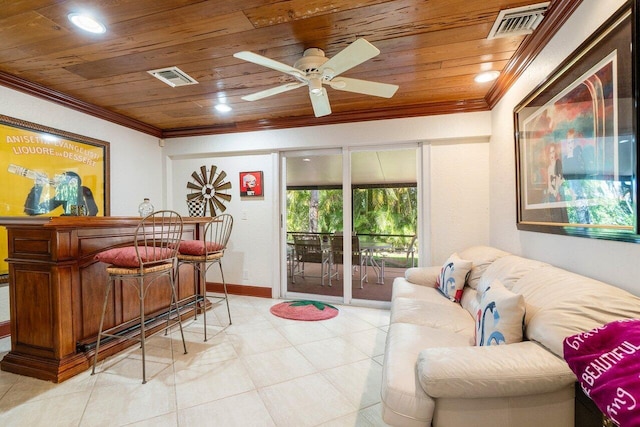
251	184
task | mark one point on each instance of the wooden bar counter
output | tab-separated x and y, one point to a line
56	292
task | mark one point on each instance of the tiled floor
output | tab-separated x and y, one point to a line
260	371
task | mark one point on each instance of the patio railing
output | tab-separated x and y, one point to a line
397	250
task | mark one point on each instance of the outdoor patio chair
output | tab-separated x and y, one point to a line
359	257
402	257
308	248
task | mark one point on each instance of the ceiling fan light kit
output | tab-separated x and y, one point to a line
314	70
315	86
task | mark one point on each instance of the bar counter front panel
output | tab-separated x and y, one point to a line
56	292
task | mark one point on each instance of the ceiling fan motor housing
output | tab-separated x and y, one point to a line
311	61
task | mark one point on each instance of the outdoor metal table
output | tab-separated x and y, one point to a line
372	248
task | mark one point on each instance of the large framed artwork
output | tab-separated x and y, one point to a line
576	149
49	172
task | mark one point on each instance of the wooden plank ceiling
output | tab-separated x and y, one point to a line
432	49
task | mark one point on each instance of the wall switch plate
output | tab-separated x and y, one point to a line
244	215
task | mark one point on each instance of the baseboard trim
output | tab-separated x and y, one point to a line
250	291
5	329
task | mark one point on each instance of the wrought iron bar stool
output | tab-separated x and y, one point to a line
152	256
202	254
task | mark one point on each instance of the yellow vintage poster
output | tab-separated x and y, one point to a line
49	173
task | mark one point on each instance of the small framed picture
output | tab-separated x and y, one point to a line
251	184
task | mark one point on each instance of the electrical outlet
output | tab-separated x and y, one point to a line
245	275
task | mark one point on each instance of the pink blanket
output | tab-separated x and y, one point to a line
606	361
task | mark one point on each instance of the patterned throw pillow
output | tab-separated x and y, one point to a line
500	318
453	276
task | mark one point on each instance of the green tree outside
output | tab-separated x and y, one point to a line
376	211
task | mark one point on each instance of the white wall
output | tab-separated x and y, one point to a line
459	208
456	191
612	262
254	217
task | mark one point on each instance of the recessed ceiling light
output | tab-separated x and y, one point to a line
87	23
487	76
306	159
223	108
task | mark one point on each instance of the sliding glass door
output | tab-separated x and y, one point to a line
384	194
349	222
313	215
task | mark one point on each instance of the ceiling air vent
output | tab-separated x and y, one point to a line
173	76
518	21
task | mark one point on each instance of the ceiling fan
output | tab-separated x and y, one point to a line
315	70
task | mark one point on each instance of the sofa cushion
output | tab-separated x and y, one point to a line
509	269
453	277
471	300
560	303
482	257
446	317
500	316
520	369
404	289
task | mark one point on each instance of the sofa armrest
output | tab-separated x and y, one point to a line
425	276
519	369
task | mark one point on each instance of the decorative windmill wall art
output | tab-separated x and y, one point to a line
209	190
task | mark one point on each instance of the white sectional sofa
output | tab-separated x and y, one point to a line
434	373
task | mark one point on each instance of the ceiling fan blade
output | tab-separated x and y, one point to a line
267	62
366	87
273	91
320	103
355	54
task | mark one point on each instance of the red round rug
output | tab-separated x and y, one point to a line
304	310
